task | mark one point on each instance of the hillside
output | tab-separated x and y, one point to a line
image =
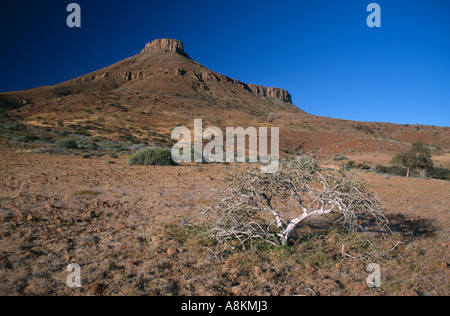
143	97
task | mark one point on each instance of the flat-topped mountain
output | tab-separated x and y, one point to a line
162	68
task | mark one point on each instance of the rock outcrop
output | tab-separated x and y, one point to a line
272	93
165	45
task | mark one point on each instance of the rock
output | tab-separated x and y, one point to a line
444	266
96	288
411	293
311	268
155	239
257	270
89	215
273	93
234	276
232	263
165	45
119	227
269	276
237	290
360	288
131	263
172	252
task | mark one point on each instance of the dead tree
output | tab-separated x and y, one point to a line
269	207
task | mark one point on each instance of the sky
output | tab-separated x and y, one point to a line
321	51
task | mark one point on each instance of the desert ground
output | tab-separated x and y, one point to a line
126	228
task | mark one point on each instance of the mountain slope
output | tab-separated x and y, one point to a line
143	97
161	69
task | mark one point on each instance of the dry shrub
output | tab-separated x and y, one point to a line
268	207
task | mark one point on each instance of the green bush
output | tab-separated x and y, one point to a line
363	166
340	158
26	139
152	156
66	143
394	170
439	173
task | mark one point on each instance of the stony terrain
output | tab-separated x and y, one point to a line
124	226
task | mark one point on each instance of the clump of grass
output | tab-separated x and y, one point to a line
302	162
66	143
26	139
85	193
152	156
340	158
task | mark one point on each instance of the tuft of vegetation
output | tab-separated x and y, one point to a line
340	158
26	139
152	156
85	193
67	143
439	173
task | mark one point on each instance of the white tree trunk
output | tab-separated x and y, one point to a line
290	228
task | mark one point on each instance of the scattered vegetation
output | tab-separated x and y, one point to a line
340	158
395	171
67	143
352	165
26	139
439	173
152	156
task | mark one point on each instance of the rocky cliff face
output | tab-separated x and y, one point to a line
165	45
271	93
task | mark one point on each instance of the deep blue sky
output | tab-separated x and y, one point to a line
321	51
